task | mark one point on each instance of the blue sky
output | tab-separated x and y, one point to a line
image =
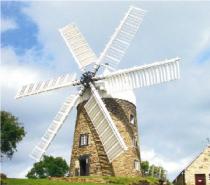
23	37
173	118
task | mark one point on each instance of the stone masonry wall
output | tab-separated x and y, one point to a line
99	164
200	166
123	165
120	111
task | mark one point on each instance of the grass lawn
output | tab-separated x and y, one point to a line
41	182
109	180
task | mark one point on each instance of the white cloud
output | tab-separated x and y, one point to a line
171	166
8	24
12	74
205	39
22	174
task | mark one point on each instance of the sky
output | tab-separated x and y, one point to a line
173	118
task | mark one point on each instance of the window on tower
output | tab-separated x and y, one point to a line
132	119
83	140
135	141
137	165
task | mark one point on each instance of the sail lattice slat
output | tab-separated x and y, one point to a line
146	75
40	87
122	37
52	130
108	133
78	46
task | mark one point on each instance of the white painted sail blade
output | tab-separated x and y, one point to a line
146	75
78	46
40	87
122	37
52	130
108	133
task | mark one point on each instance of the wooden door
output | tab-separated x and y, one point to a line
200	179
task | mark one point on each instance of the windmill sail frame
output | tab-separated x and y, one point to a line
120	80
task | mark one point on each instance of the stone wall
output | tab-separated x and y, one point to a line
120	111
123	165
98	161
199	166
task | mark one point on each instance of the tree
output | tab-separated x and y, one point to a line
11	133
49	167
145	167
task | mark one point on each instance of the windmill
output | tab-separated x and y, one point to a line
94	90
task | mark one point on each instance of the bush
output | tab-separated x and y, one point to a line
49	167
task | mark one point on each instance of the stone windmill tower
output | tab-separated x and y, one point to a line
88	154
106	133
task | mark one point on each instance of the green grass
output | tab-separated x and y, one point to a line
109	180
40	182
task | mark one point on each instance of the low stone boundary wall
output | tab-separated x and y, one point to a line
80	179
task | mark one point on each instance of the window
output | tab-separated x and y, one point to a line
135	141
137	165
83	140
132	119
